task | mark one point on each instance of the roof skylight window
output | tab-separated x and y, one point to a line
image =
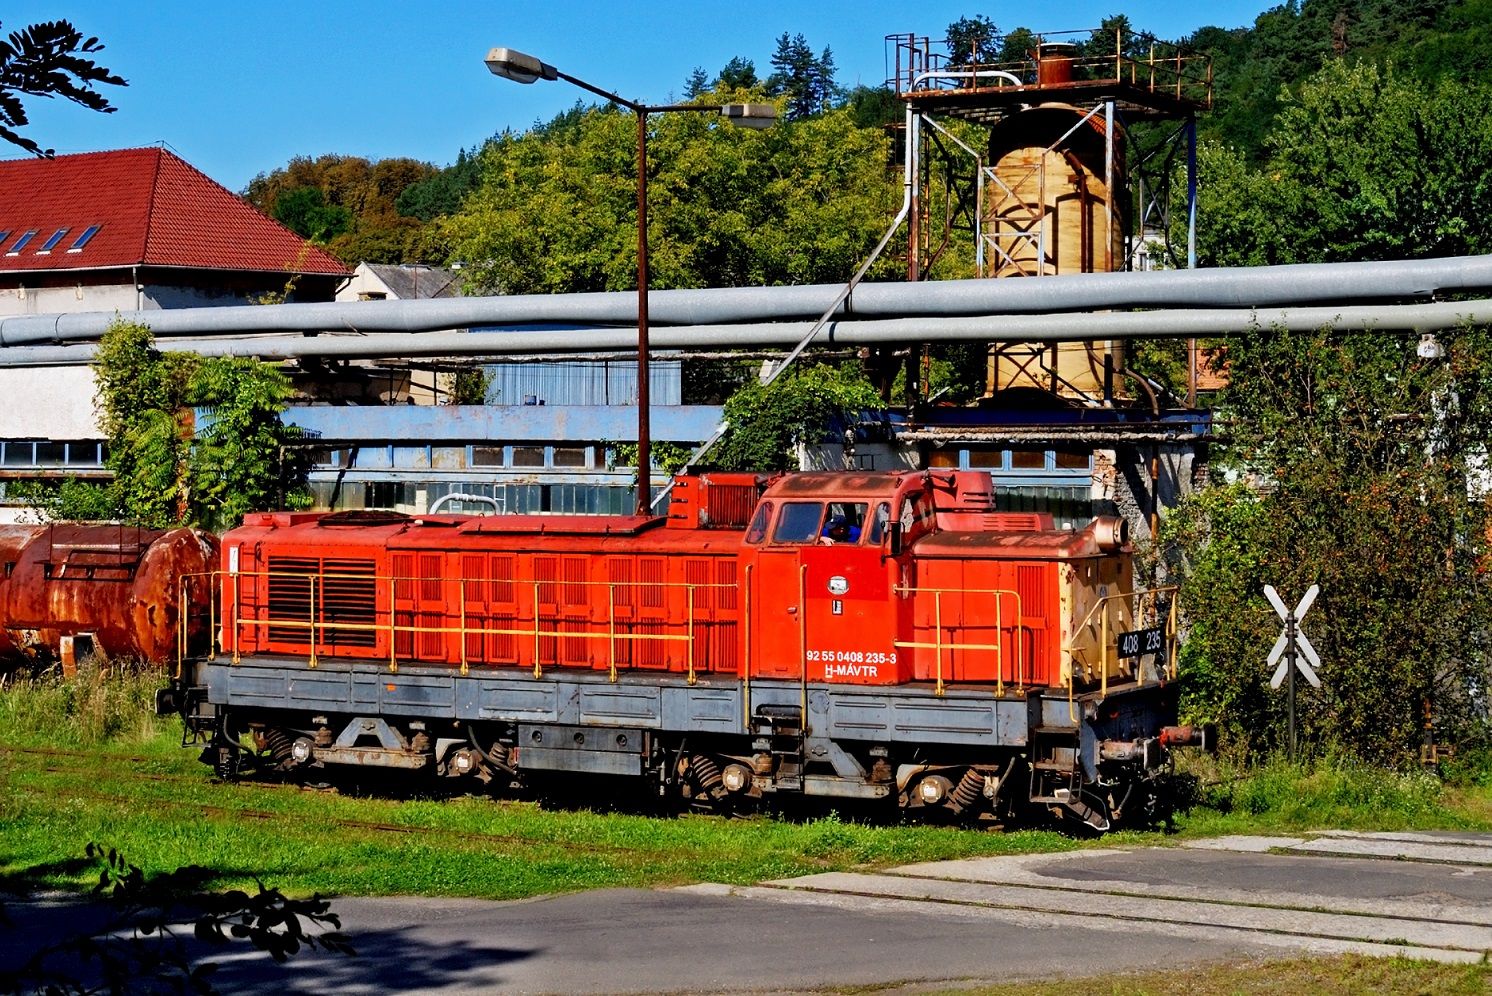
4	234
82	240
20	243
46	246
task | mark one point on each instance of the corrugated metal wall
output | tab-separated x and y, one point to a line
582	383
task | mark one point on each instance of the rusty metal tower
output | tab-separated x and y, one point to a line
1064	161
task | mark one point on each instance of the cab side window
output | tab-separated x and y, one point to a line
757	531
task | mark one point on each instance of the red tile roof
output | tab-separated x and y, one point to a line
152	209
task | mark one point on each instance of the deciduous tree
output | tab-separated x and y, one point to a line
48	60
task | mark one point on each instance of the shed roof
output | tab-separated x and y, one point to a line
144	207
413	282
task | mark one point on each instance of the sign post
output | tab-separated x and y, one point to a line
1296	650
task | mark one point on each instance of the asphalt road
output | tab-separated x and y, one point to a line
1033	917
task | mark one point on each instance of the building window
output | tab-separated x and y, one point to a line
20	455
1074	459
1027	460
82	240
486	456
20	243
528	456
51	243
51	454
942	459
986	459
387	494
569	456
83	454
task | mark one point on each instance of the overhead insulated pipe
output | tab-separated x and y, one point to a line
1230	287
788	335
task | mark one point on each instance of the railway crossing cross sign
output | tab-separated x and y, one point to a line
1292	644
1294	648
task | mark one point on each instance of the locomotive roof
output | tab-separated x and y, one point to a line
829	484
1022	545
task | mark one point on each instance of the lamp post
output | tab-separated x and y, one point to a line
522	68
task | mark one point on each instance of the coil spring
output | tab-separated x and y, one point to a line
278	741
967	792
706	774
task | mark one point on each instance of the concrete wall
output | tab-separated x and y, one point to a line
47	403
25	300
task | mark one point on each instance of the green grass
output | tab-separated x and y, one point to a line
1316	976
128	785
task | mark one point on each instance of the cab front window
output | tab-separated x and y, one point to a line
798	522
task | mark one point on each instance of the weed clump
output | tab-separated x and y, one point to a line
1333	791
114	702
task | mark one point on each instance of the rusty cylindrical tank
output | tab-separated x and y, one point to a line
108	589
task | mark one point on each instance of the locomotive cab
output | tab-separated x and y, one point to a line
819	560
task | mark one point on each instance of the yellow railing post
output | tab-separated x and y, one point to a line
393	623
1171	639
938	637
214	643
1103	659
1000	647
538	669
690	633
611	629
312	579
464	668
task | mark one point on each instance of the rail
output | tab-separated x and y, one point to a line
1157	69
938	645
317	624
1138	602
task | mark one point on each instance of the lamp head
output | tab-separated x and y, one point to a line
519	67
754	116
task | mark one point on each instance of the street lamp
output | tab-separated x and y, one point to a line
523	68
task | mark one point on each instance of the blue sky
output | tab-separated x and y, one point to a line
239	88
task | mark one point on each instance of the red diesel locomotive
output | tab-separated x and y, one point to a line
874	636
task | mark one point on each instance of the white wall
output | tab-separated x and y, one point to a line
47	403
363	281
55	300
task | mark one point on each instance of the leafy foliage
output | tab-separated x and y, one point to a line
238	461
1363	164
305	212
768	422
168	471
973	41
737	74
137	949
805	81
1361	453
353	205
802	202
48	60
442	192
